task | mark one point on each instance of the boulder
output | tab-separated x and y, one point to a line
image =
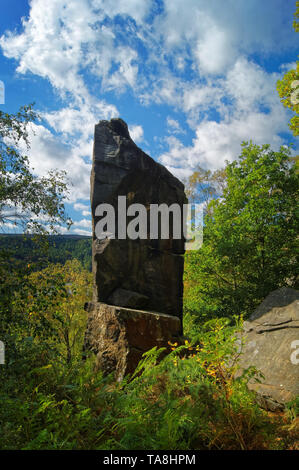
119	336
272	345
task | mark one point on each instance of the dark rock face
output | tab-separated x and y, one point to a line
143	273
271	340
119	336
134	279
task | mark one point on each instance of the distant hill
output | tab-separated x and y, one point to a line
23	249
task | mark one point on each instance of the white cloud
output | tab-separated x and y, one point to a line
70	147
217	32
82	223
136	133
60	39
198	99
79	231
8	226
214	53
174	126
78	206
137	9
57	24
84	34
250	86
126	74
61	230
289	66
86	213
48	152
73	120
217	142
192	56
173	123
252	111
84	209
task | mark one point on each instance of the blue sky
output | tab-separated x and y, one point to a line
192	78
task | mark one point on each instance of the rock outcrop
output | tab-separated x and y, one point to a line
138	283
272	346
143	273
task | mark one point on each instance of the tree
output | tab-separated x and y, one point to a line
296	17
288	86
204	185
53	307
26	200
249	236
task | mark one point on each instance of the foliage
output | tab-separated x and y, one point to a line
43	335
293	408
20	256
53	399
288	86
49	308
288	90
204	185
188	400
23	250
249	237
296	17
25	199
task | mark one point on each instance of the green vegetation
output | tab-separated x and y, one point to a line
53	400
24	249
288	86
250	234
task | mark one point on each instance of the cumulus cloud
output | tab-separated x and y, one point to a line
61	230
48	151
61	39
72	121
250	86
83	208
82	223
9	227
216	142
217	32
252	111
82	227
136	9
192	56
214	53
136	133
79	231
174	126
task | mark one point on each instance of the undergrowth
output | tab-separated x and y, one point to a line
188	400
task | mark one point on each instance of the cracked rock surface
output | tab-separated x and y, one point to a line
272	346
146	273
138	283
